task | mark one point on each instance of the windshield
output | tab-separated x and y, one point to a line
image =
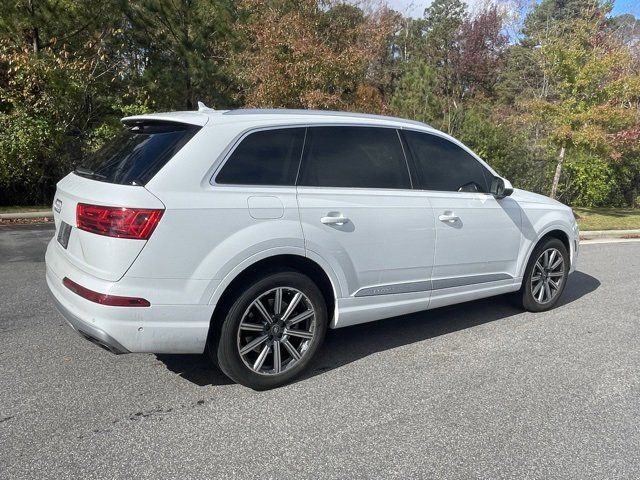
138	153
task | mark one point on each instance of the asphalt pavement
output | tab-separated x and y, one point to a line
480	390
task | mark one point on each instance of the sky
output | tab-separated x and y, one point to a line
415	8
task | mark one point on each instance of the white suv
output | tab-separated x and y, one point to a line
247	233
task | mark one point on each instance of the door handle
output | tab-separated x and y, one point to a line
334	218
448	217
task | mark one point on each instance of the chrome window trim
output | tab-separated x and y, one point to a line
220	161
223	158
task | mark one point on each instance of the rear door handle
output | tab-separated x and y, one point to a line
448	217
334	218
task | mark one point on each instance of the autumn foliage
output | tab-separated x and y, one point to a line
548	95
305	54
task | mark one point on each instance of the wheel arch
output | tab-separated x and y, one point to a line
276	263
551	232
560	235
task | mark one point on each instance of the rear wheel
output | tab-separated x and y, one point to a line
272	331
545	277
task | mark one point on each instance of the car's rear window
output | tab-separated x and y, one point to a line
138	153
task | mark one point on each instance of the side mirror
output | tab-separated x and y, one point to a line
501	187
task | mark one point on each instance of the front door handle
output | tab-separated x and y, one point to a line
448	217
334	218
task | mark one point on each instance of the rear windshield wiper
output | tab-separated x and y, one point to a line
86	172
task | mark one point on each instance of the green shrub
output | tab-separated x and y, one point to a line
507	149
33	158
588	180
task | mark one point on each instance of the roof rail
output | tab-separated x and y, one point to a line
294	111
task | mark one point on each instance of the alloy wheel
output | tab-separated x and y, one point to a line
547	276
276	330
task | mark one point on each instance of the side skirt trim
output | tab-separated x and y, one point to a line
427	285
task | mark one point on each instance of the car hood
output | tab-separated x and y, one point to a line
530	197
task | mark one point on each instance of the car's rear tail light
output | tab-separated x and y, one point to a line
104	299
120	222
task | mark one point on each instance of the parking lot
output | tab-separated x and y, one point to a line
479	390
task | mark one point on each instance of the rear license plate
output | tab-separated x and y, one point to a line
63	234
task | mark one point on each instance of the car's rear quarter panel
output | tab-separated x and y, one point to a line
209	230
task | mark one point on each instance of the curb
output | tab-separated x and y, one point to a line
26	215
601	234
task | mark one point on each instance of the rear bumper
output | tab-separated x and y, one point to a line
155	329
88	331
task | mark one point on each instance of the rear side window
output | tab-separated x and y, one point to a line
358	157
267	157
444	166
138	153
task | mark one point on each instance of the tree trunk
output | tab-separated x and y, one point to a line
189	103
189	88
556	177
35	33
36	40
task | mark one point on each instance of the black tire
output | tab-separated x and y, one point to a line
525	296
225	346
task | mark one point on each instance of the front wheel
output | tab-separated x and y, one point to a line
272	331
545	276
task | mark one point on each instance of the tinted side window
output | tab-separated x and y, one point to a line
361	157
268	157
443	165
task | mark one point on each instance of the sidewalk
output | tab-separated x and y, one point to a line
26	215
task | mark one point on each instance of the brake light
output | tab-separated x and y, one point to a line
103	298
120	222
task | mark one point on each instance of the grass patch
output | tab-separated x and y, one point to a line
19	209
607	218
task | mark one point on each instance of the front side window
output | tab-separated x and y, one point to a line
357	157
443	166
267	157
